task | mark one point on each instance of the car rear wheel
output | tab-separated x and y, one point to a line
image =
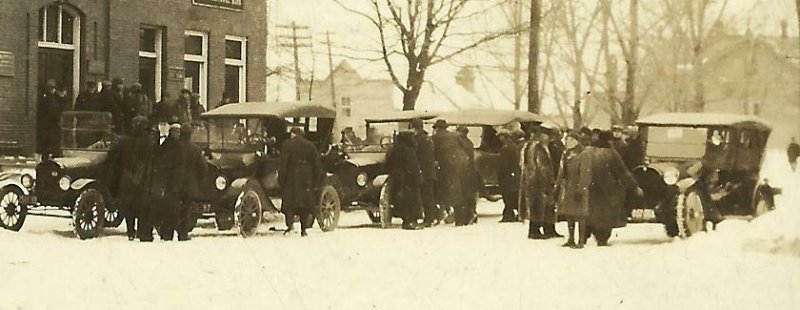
113	217
88	217
385	207
248	213
12	212
330	205
689	214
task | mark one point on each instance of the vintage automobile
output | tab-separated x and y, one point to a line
17	174
73	182
358	168
483	125
242	142
699	168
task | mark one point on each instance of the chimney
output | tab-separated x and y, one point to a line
466	78
784	27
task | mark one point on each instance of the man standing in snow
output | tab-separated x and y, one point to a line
452	168
793	151
508	171
537	188
163	185
299	176
427	163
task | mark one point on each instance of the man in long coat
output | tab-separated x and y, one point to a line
452	162
508	172
163	186
405	178
427	164
299	175
195	172
472	179
537	187
127	164
610	183
572	189
48	120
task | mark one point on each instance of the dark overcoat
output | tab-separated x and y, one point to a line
405	177
126	167
573	183
299	175
196	170
610	183
164	110
452	161
472	179
426	157
538	183
508	167
166	168
48	120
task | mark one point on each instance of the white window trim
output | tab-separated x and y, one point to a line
203	59
75	47
241	63
157	55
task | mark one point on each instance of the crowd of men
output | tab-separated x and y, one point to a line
123	102
584	180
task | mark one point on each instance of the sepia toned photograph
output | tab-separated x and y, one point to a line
399	154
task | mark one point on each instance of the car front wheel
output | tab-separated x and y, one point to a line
689	214
12	212
88	217
330	205
248	213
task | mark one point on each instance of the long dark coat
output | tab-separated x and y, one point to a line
86	101
610	183
472	179
127	165
196	169
426	157
139	104
452	162
112	101
508	167
538	183
573	183
299	175
48	120
164	110
405	177
166	167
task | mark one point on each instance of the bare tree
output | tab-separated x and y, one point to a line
421	29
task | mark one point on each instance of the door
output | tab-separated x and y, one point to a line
56	64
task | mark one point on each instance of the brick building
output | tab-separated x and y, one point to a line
209	46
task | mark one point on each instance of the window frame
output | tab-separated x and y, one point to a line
203	60
241	63
158	56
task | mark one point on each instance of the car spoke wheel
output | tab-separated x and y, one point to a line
385	207
330	206
88	217
248	213
374	216
113	217
689	214
12	212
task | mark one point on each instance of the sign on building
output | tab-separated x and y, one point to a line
237	5
6	64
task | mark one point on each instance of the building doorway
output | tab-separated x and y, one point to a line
59	48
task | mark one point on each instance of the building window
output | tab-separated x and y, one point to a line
236	68
346	107
195	63
59	47
150	55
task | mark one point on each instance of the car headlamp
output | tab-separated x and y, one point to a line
220	182
671	176
26	180
64	183
361	179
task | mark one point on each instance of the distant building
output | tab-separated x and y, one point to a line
209	46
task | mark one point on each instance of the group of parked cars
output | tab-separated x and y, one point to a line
698	167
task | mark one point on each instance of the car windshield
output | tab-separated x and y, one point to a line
238	135
676	142
376	137
86	130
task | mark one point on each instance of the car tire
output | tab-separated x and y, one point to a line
374	216
330	207
88	214
113	218
385	207
689	214
248	213
12	212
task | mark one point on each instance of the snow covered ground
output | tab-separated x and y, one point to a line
359	266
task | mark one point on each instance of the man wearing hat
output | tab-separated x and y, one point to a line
508	173
472	179
299	175
195	172
163	185
453	161
427	164
572	188
537	186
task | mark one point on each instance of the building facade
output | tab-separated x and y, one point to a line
212	47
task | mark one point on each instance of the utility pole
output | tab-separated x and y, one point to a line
517	21
295	44
533	57
330	67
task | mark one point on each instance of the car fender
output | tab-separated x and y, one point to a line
685	184
80	184
12	183
379	180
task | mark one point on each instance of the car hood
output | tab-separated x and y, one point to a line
366	159
78	162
